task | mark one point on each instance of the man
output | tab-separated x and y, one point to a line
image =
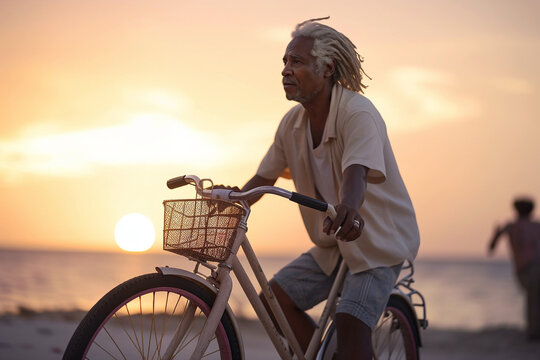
524	236
335	147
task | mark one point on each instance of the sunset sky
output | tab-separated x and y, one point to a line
102	101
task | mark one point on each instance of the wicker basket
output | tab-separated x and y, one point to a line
200	228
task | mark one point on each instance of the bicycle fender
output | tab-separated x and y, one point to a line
399	294
165	270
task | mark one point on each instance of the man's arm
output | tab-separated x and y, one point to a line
257	181
352	192
498	232
254	182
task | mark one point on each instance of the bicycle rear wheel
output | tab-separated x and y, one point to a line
392	339
141	317
394	336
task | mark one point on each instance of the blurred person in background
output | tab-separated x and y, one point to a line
524	237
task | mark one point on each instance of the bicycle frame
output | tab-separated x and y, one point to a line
221	279
194	305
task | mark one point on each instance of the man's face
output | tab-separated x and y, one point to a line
301	79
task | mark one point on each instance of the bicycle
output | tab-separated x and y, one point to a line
180	314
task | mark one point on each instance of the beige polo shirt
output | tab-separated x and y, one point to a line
355	133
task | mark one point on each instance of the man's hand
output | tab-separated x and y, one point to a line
254	182
348	221
223	205
233	188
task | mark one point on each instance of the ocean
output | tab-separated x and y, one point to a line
460	294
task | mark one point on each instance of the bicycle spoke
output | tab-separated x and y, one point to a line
166	320
115	344
136	345
200	316
379	340
152	324
382	335
163	327
389	338
142	327
195	336
164	323
399	341
108	353
213	352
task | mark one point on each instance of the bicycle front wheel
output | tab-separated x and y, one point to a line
152	316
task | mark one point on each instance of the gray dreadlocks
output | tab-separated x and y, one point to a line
332	46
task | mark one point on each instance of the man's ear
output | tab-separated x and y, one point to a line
329	69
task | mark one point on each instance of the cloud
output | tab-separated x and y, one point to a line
418	97
281	35
163	100
148	139
512	85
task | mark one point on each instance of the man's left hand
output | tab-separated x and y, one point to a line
347	226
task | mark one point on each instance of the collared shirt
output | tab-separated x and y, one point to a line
355	133
321	161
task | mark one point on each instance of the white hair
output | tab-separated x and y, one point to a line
331	46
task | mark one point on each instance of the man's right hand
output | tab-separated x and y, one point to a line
220	186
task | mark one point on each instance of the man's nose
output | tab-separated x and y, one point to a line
286	70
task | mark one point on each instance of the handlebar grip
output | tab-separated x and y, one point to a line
309	202
176	182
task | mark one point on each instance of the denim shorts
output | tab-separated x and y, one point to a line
364	294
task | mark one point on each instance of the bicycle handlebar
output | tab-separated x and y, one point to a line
176	182
230	195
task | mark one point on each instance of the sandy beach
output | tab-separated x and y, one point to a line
30	335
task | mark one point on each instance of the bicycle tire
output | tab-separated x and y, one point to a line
136	319
394	336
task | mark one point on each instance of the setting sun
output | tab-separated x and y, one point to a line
134	232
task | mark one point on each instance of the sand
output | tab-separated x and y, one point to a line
44	336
